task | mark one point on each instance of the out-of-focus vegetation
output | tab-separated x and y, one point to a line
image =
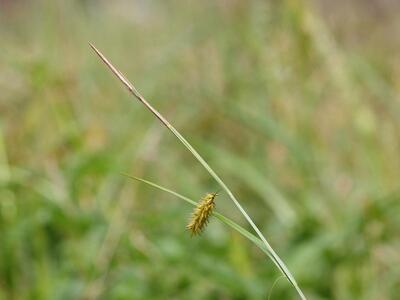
295	104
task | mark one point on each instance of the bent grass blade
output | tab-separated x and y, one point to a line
255	240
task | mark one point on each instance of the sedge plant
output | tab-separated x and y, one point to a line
258	240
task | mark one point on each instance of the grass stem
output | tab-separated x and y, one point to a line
276	259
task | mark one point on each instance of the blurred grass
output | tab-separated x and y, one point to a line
295	105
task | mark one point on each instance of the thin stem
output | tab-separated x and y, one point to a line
218	215
276	259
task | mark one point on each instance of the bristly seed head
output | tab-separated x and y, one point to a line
201	214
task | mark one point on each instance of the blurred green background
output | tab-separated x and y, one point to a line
294	103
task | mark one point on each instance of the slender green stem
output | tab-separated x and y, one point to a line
218	215
273	285
276	259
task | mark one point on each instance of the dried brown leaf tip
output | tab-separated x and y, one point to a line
201	213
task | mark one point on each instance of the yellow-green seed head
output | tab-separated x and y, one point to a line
201	213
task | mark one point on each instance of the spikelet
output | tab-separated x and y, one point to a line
201	213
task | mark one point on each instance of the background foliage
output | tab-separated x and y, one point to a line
295	104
